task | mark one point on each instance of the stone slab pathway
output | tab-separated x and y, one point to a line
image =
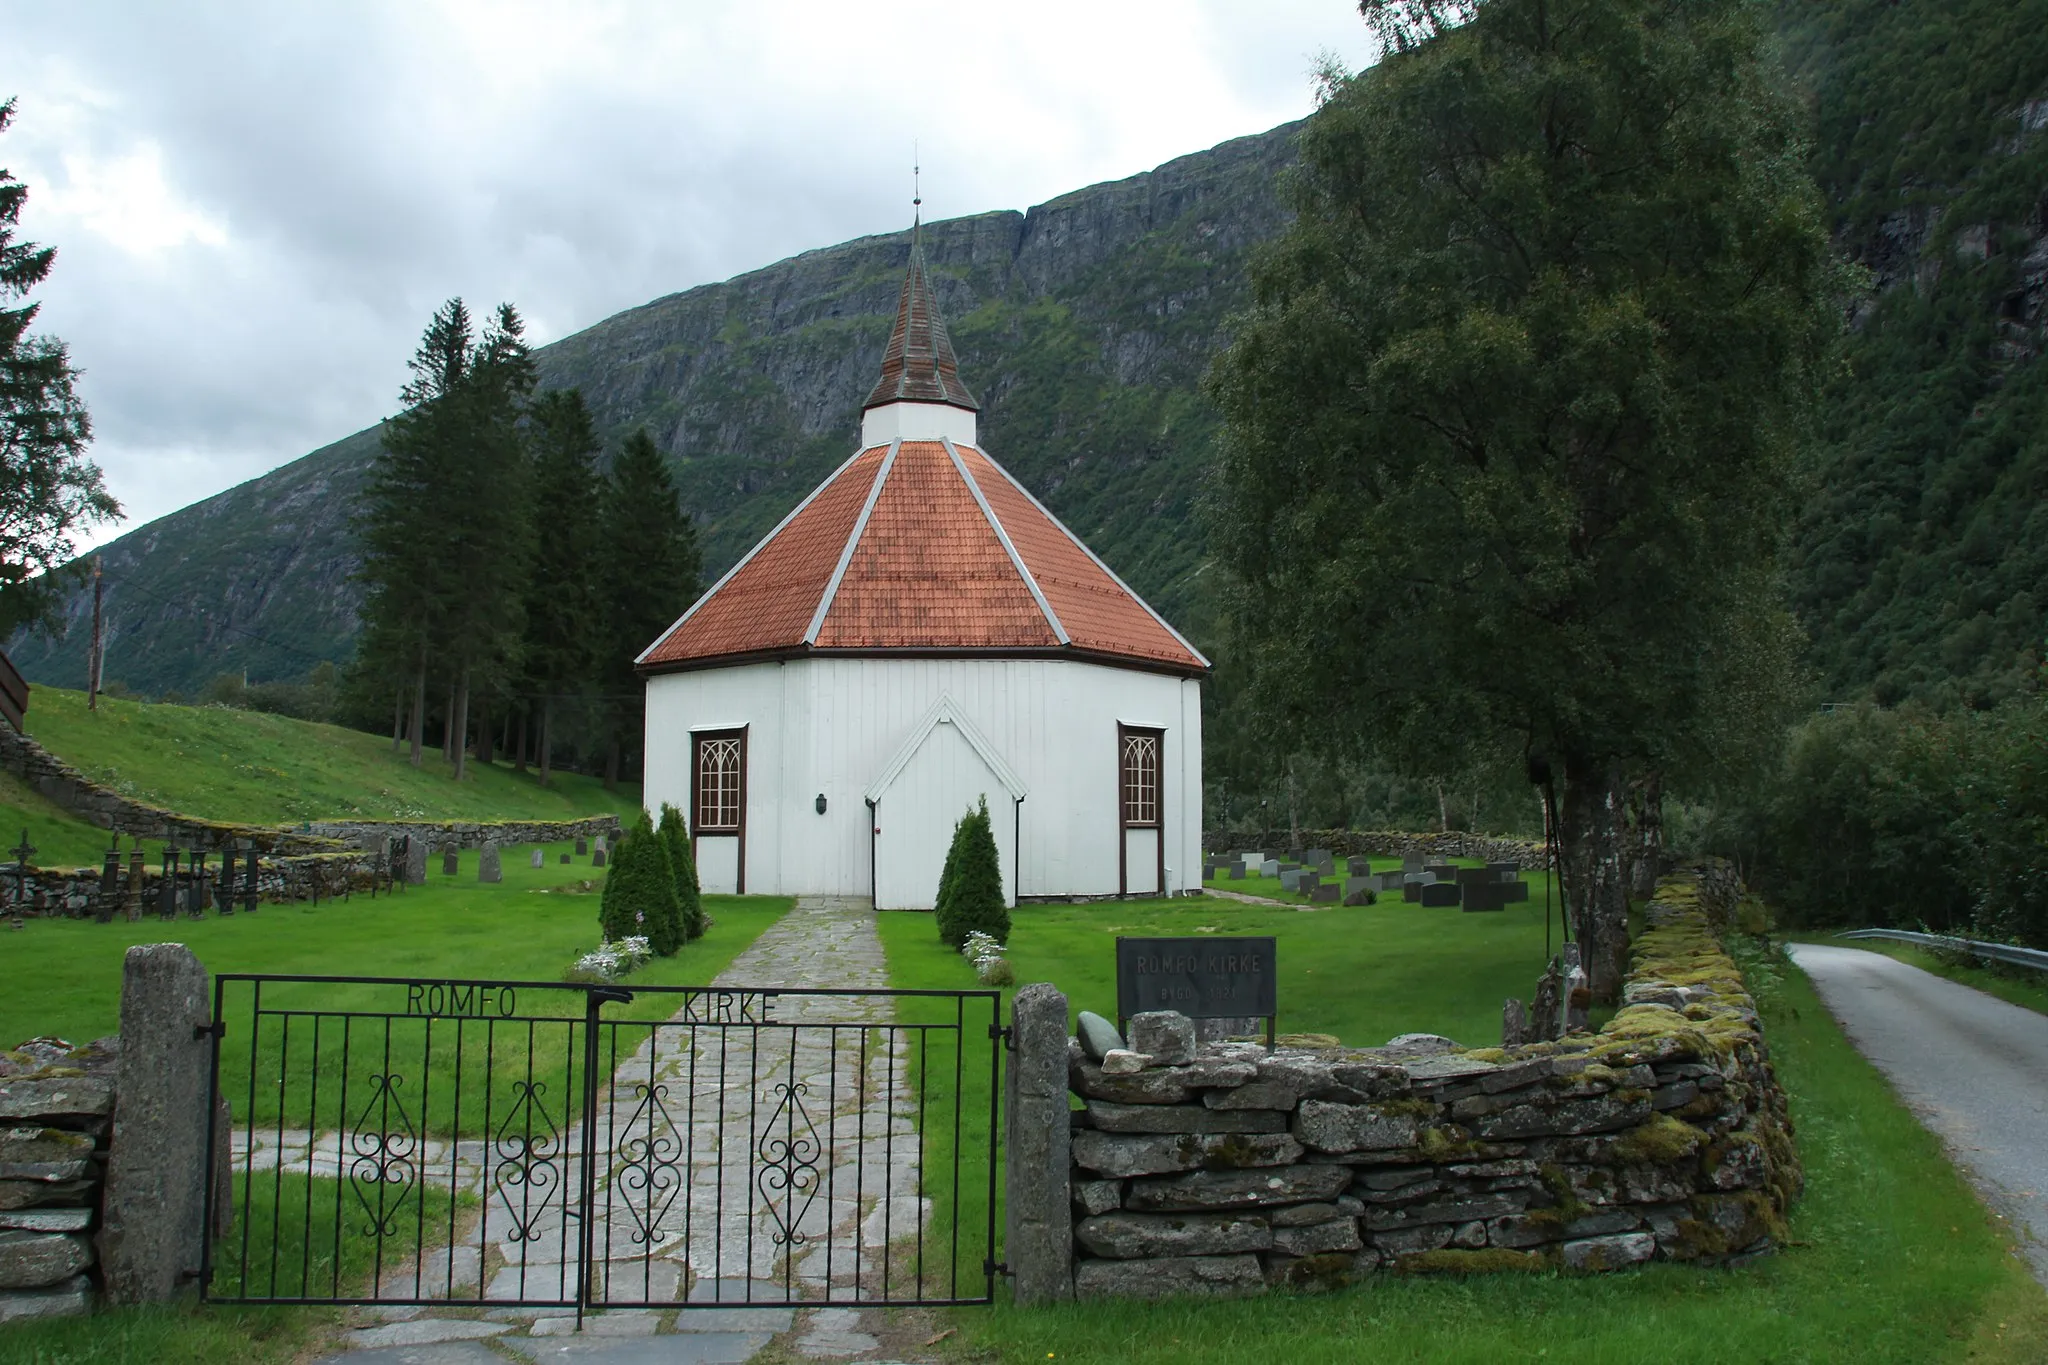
758	1166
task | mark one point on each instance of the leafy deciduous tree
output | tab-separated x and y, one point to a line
1531	362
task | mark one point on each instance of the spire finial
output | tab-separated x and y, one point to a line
916	193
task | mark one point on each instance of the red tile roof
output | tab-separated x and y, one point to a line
931	548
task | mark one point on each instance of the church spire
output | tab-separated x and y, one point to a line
919	365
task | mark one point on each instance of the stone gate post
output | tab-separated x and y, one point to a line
153	1219
1038	1215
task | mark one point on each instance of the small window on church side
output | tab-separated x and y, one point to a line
721	769
1140	764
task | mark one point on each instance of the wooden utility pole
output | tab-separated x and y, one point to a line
92	667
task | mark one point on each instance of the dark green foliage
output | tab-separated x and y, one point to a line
1531	362
49	490
564	624
1907	819
443	521
971	883
639	892
1923	550
649	569
675	837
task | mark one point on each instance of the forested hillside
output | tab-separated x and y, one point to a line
1085	324
1922	556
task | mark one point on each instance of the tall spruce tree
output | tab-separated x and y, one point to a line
683	866
443	520
651	563
49	490
970	895
639	893
1534	354
563	620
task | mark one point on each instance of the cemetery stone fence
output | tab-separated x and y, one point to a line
1221	1168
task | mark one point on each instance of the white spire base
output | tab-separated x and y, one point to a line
916	422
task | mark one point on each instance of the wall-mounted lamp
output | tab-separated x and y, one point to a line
821	803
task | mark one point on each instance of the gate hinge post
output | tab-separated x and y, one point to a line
989	1267
217	1029
1005	1033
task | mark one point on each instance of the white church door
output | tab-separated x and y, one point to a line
945	770
1140	813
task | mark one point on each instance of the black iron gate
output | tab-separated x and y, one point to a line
514	1143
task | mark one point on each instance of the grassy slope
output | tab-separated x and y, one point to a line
263	769
1893	1259
60	838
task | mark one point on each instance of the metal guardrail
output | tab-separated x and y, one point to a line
2003	952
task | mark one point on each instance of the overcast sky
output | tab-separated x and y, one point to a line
256	206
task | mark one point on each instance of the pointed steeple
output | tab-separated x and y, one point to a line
919	366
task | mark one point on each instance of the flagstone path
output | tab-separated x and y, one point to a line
820	1174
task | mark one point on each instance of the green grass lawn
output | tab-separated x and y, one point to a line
1892	1258
2017	985
64	976
254	768
60	838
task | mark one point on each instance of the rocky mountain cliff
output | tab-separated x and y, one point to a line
1920	566
1084	325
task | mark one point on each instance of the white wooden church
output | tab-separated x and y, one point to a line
918	634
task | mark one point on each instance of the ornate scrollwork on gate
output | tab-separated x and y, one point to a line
789	1155
527	1156
383	1160
649	1174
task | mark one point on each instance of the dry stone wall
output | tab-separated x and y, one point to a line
56	1107
1383	843
1663	1136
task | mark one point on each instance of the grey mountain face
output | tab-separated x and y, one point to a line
1085	325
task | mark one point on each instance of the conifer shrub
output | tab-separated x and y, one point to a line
640	893
971	884
675	837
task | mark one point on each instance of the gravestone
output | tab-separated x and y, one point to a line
597	856
415	861
1353	885
565	860
598	845
1362	895
1237	872
167	886
582	846
1517	892
1443	872
1252	857
451	860
195	889
1484	896
1411	892
1411	864
1359	866
1269	868
540	858
110	884
224	889
135	883
1505	872
1208	872
1436	895
1325	893
252	888
1295	855
1474	876
487	869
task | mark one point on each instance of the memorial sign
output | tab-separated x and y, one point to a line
1203	978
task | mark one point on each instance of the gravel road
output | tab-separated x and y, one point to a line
1974	1068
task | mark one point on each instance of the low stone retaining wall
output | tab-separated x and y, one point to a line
1349	843
56	1107
1225	1169
467	833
